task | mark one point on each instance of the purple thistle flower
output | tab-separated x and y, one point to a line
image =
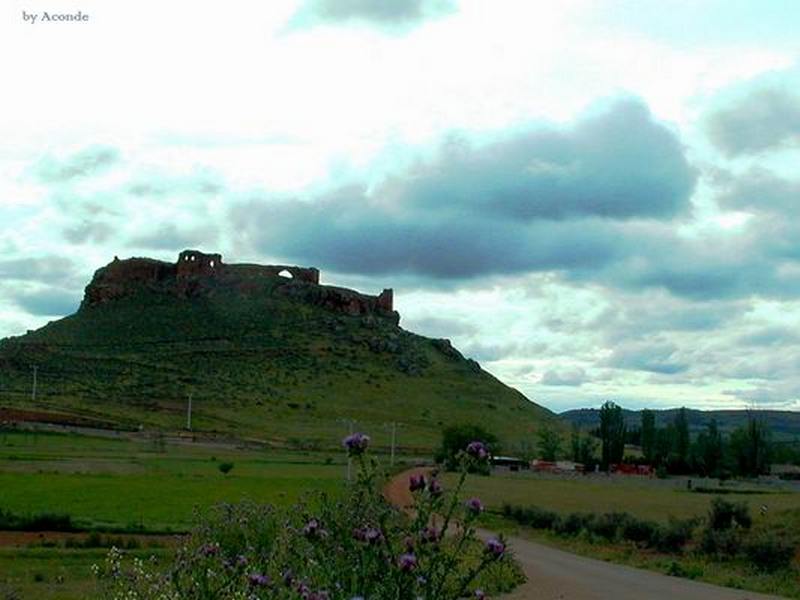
209	549
480	595
430	535
241	561
259	580
434	487
416	482
474	505
312	529
477	450
495	547
356	443
407	562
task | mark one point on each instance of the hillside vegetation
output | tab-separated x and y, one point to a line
262	364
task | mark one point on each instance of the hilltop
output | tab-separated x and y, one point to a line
784	424
264	352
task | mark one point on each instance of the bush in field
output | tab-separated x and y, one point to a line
225	467
354	546
532	516
640	531
724	514
673	536
768	552
721	543
573	523
609	525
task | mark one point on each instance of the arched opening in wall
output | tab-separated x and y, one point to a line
211	264
193	258
285	273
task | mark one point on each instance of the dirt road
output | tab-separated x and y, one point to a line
557	575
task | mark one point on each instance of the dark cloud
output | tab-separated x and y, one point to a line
618	163
761	120
88	232
654	357
382	12
170	237
440	327
49	302
89	161
553	200
770	336
48	269
760	190
564	377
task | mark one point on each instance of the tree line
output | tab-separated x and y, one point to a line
747	452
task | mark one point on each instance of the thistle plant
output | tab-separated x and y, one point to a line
356	545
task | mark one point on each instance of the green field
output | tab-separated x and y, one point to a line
649	499
124	485
109	483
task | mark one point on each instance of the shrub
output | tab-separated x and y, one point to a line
724	514
640	531
573	523
722	543
535	517
768	552
673	536
608	525
225	467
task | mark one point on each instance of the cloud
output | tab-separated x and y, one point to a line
550	199
564	377
48	269
760	190
88	161
383	13
617	162
87	231
49	302
654	357
170	237
761	120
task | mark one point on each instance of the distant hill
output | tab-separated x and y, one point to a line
783	424
264	352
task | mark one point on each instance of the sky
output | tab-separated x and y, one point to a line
596	199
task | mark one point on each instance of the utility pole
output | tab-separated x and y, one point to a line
189	414
394	440
349	459
33	388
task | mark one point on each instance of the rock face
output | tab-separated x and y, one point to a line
196	274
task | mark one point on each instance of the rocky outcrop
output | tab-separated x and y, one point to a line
196	274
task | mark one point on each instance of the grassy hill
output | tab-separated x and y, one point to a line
784	424
263	364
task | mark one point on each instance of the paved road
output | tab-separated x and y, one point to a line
557	575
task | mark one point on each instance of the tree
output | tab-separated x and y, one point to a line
682	433
225	467
709	450
455	438
549	442
750	447
649	435
612	434
681	441
583	448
